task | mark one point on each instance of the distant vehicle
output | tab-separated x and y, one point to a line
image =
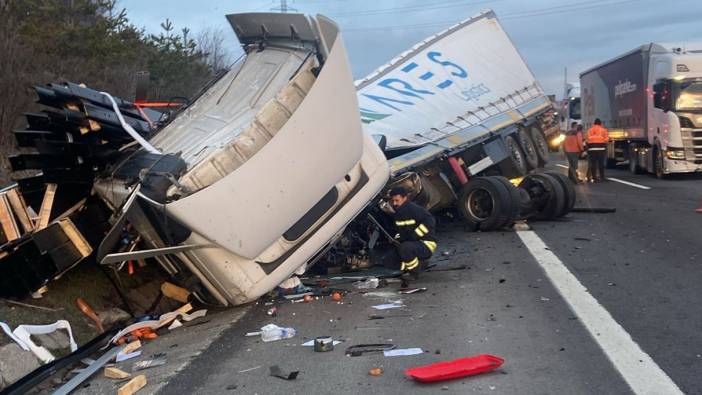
570	106
650	99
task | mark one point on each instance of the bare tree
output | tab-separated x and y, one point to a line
211	41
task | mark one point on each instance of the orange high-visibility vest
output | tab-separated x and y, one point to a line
573	142
597	135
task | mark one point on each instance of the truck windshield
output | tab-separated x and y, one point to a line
574	108
689	96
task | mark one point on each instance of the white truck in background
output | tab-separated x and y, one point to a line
570	106
650	99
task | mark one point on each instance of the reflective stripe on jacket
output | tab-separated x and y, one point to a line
597	135
415	223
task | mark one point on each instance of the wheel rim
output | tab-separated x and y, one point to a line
516	154
480	204
528	147
539	142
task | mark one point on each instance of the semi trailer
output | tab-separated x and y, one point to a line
650	99
460	113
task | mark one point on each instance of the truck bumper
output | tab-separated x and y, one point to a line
681	166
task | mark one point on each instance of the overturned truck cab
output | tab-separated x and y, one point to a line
263	171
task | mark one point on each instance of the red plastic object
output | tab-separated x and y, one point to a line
460	173
457	368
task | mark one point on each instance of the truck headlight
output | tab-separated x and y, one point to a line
556	141
675	153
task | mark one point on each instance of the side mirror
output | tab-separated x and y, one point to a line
381	141
661	96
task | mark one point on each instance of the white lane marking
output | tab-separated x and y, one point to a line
560	165
637	368
631	184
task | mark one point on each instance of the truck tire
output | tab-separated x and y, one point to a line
514	165
568	188
634	161
514	196
540	143
485	204
658	164
547	195
528	148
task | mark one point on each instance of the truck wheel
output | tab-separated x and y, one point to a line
634	161
485	204
514	165
540	144
527	146
547	195
658	164
567	185
514	196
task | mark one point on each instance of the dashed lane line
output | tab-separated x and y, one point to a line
637	368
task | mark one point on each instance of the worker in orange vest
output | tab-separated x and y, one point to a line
573	147
597	139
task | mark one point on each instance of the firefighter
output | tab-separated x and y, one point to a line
597	139
573	147
415	231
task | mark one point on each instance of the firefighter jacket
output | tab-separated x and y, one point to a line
573	141
597	135
415	223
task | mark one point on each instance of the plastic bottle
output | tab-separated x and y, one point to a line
272	332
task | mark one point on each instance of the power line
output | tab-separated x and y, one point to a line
412	8
522	14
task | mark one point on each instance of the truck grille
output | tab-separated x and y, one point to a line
692	143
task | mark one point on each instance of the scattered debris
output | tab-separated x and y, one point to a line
386	306
402	352
175	325
251	334
273	311
323	344
456	368
250	369
131	347
360	349
88	371
121	356
307	298
412	290
545	299
25	332
272	332
175	292
310	343
133	385
277	372
375	372
447	268
90	313
382	317
336	296
32	306
154	360
369	283
112	372
581	239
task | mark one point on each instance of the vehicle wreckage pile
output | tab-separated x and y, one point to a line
271	169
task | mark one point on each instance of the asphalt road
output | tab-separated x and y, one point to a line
641	265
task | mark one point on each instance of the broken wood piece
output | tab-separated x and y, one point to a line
186	308
20	208
90	313
7	220
76	237
46	205
133	385
131	347
115	373
175	292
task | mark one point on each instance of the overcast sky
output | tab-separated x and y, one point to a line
549	34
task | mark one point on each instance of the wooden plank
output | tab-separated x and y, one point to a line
7	220
131	347
46	205
20	209
175	292
133	385
115	373
76	237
